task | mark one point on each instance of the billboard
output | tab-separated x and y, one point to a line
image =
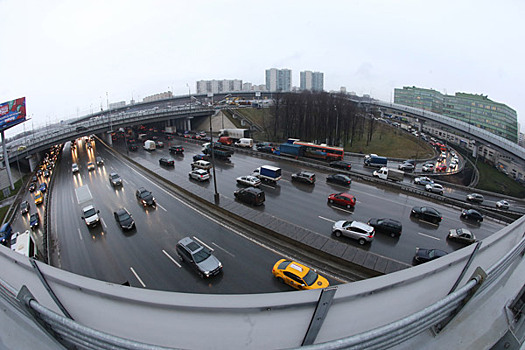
12	113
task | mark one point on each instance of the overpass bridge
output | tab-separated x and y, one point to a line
471	299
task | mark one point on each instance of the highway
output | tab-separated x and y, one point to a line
146	257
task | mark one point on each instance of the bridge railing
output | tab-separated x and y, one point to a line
412	306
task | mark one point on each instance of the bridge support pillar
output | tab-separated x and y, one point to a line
34	160
108	139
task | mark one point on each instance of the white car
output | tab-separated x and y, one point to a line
74	168
434	188
502	204
360	231
461	235
199	175
428	167
249	180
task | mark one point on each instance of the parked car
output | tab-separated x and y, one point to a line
178	149
434	188
115	180
90	166
428	167
423	180
304	176
199	174
427	214
502	204
461	235
145	197
341	164
24	207
199	257
472	214
250	195
249	180
424	255
475	197
340	179
34	220
124	219
360	231
406	166
297	275
386	225
167	161
344	199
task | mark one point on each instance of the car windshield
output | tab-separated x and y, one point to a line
201	255
310	277
145	193
123	216
114	177
90	212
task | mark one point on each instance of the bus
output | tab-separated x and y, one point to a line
321	151
23	243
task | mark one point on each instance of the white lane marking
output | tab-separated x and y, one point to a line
171	258
204	244
323	218
80	234
224	250
161	207
137	276
341	209
422	234
103	223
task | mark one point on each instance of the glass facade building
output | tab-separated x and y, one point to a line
477	110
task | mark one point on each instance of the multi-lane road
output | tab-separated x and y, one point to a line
147	258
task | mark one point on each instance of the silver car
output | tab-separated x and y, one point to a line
199	257
199	175
360	231
434	188
249	180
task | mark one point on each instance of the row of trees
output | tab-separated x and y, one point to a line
319	117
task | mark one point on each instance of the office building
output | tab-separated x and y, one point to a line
218	86
312	81
278	79
477	110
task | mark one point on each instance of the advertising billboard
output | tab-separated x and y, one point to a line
12	113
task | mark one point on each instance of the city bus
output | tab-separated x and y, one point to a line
23	243
322	151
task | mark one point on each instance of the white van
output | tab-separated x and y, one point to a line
149	145
244	142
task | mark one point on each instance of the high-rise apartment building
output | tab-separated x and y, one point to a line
278	79
312	81
218	86
477	110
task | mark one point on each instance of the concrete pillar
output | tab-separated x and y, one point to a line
33	162
108	138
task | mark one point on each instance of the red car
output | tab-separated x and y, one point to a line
344	199
442	167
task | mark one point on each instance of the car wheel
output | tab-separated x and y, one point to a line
393	235
280	280
337	233
331	201
348	206
362	241
435	221
180	257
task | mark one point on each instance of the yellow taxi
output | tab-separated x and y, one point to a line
39	197
298	276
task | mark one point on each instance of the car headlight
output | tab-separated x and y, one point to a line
207	273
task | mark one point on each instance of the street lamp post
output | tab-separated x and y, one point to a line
216	194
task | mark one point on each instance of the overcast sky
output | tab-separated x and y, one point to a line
65	57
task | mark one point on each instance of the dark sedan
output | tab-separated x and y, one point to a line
388	226
423	255
341	164
472	214
34	220
426	213
265	149
201	156
145	197
124	219
340	179
167	161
